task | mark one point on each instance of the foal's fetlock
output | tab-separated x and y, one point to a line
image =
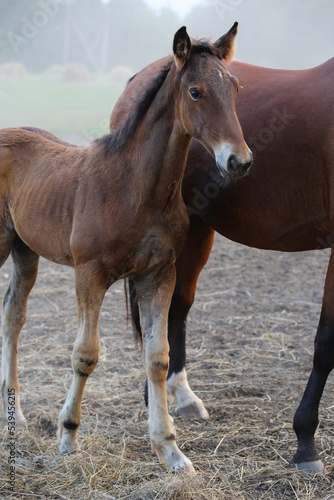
11	407
67	435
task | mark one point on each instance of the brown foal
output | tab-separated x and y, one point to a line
114	210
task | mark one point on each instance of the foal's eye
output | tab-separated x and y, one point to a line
195	94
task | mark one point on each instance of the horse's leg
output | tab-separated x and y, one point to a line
306	417
91	285
24	272
154	295
189	264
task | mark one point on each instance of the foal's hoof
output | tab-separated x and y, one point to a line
169	453
20	422
68	448
310	468
179	463
194	410
187	468
66	451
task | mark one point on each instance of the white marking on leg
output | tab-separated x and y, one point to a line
178	386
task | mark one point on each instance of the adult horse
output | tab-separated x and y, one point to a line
113	210
285	203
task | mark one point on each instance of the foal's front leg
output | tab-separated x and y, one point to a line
90	290
154	294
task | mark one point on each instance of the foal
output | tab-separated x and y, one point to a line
114	210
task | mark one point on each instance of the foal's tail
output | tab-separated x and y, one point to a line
132	300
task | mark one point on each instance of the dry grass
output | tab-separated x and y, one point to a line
249	356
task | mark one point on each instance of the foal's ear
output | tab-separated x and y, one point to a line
181	47
226	44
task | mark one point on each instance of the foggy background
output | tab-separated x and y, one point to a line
103	34
64	63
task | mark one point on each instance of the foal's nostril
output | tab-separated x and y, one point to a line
232	164
237	168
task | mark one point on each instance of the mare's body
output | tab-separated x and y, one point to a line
285	203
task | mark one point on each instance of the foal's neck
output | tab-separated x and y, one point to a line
162	143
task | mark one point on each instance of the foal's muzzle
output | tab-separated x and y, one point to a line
237	168
231	163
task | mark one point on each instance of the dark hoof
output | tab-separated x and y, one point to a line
194	411
310	468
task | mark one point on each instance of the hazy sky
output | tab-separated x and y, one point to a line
182	7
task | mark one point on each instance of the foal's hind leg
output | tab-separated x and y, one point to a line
91	286
24	272
189	264
307	415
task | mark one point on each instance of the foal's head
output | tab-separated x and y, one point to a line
206	105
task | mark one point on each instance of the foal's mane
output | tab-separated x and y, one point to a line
204	47
116	140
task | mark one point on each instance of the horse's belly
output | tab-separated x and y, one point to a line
44	228
274	230
49	242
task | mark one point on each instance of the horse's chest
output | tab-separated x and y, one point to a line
159	246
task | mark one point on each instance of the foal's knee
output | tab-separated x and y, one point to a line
84	362
157	367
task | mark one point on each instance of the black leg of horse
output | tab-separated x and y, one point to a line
189	264
306	418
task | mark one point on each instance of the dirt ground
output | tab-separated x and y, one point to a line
250	343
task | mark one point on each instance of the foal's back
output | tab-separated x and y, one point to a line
39	180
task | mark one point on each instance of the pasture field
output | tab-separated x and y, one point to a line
80	112
250	342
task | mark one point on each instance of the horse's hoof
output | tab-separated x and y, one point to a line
169	453
180	464
187	468
66	451
69	448
195	410
21	423
310	468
